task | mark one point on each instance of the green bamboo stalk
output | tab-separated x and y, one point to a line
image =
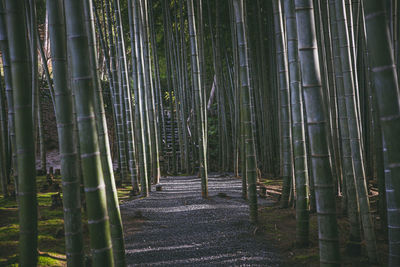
299	143
376	135
138	125
189	161
180	97
200	44
198	96
99	228
330	95
125	97
173	52
387	96
354	132
155	164
350	192
38	117
9	93
116	95
377	148
32	26
117	236
19	58
140	100
169	71
316	123
46	69
251	164
180	101
65	122
397	58
146	92
243	165
393	214
4	139
146	105
285	118
41	133
159	103
3	143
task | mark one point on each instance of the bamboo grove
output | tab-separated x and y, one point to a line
301	90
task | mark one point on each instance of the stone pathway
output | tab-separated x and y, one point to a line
179	228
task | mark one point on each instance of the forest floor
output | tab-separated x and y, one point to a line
177	227
279	225
51	243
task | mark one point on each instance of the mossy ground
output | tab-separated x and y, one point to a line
279	226
50	228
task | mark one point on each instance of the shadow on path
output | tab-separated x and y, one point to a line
179	228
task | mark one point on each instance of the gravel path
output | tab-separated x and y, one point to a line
182	229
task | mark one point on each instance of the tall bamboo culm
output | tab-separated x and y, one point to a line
117	236
198	96
284	107
350	193
65	127
299	139
5	56
140	99
350	91
250	157
316	123
24	131
387	96
82	82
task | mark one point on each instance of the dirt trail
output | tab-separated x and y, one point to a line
176	227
